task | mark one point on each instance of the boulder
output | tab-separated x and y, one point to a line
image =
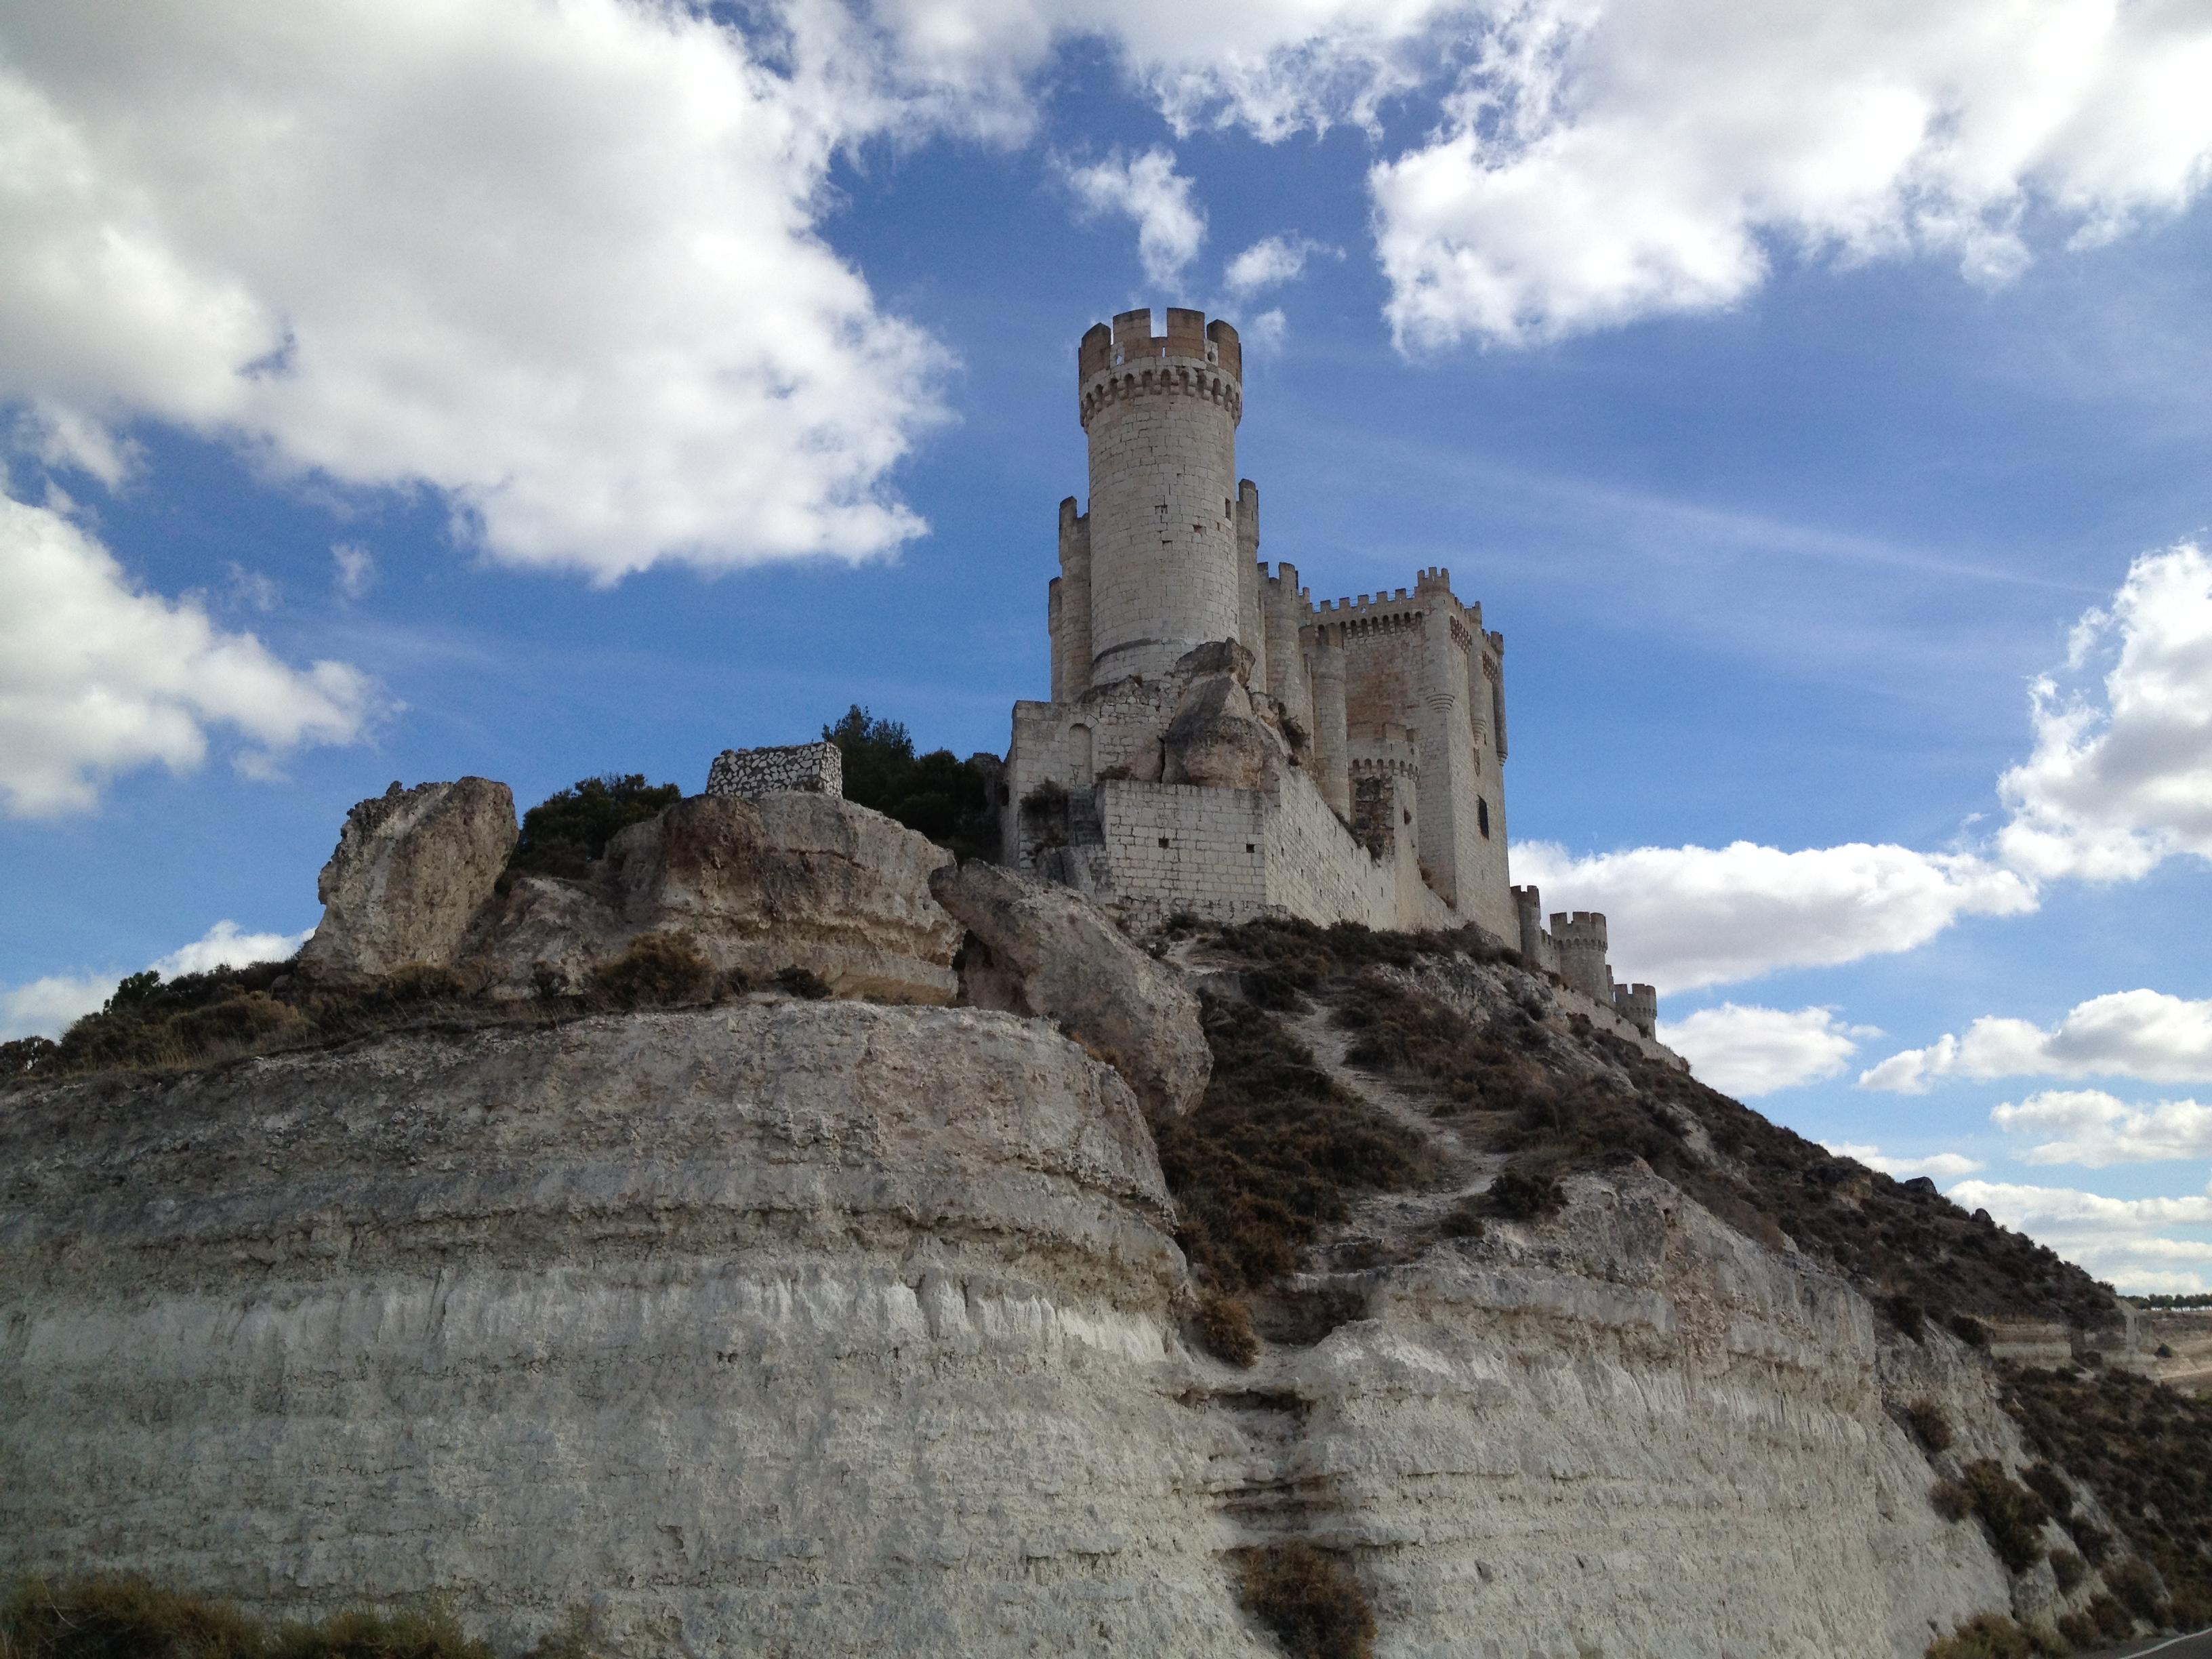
412	870
1217	738
779	880
1047	953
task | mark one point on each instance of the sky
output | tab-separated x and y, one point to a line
1816	397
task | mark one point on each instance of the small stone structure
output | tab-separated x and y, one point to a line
1217	742
816	768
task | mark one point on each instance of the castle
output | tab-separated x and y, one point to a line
1217	743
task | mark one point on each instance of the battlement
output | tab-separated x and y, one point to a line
1583	930
1121	385
1130	343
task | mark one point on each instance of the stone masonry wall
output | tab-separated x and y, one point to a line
817	767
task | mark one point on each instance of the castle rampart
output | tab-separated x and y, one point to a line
1348	755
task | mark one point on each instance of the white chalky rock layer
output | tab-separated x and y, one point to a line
827	1329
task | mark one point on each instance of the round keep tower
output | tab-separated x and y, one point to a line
1160	414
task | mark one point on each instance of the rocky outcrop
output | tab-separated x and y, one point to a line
1045	950
412	869
779	880
1216	738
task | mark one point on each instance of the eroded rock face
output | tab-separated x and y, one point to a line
1217	738
787	879
780	1327
412	868
1044	950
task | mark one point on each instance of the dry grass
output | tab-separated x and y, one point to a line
1274	1152
1310	1600
1223	1326
132	1619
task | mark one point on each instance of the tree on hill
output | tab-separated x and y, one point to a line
567	831
942	796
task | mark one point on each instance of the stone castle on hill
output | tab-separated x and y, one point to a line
1217	743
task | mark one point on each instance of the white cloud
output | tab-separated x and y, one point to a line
1601	163
1686	916
2130	1241
1942	1166
45	1007
2097	1130
2116	784
1270	261
98	678
1747	1051
2135	1034
224	946
1170	227
354	569
559	261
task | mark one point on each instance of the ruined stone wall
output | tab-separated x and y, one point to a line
815	768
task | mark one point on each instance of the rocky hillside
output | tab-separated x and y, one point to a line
1265	1290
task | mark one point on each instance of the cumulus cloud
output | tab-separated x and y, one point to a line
1270	261
45	1007
2097	1130
2121	775
2135	1034
1147	189
1688	916
560	262
1748	1051
2130	1241
1940	1166
1600	163
97	676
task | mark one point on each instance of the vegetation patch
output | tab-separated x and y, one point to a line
658	970
937	794
1223	1326
1274	1152
131	1619
566	833
1310	1600
1929	1425
1992	1636
2145	1449
2013	1514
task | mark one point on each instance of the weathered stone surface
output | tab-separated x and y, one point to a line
832	1329
782	1328
1216	738
789	879
1045	950
412	870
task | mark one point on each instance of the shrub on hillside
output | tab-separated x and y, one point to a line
658	970
1929	1424
132	1619
1993	1636
1273	1152
1310	1600
2013	1515
567	832
1521	1194
1223	1326
803	982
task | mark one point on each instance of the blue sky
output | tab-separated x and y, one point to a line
409	390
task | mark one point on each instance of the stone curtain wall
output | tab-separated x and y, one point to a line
817	767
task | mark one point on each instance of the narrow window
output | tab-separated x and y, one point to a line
1482	817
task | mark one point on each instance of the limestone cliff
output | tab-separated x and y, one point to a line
778	1327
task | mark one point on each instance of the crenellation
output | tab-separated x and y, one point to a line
1219	741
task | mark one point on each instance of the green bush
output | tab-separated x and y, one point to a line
2069	1570
1223	1327
567	832
658	970
937	795
2078	1629
2135	1587
1310	1600
2013	1515
1992	1636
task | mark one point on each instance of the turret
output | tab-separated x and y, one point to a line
1167	572
1580	940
